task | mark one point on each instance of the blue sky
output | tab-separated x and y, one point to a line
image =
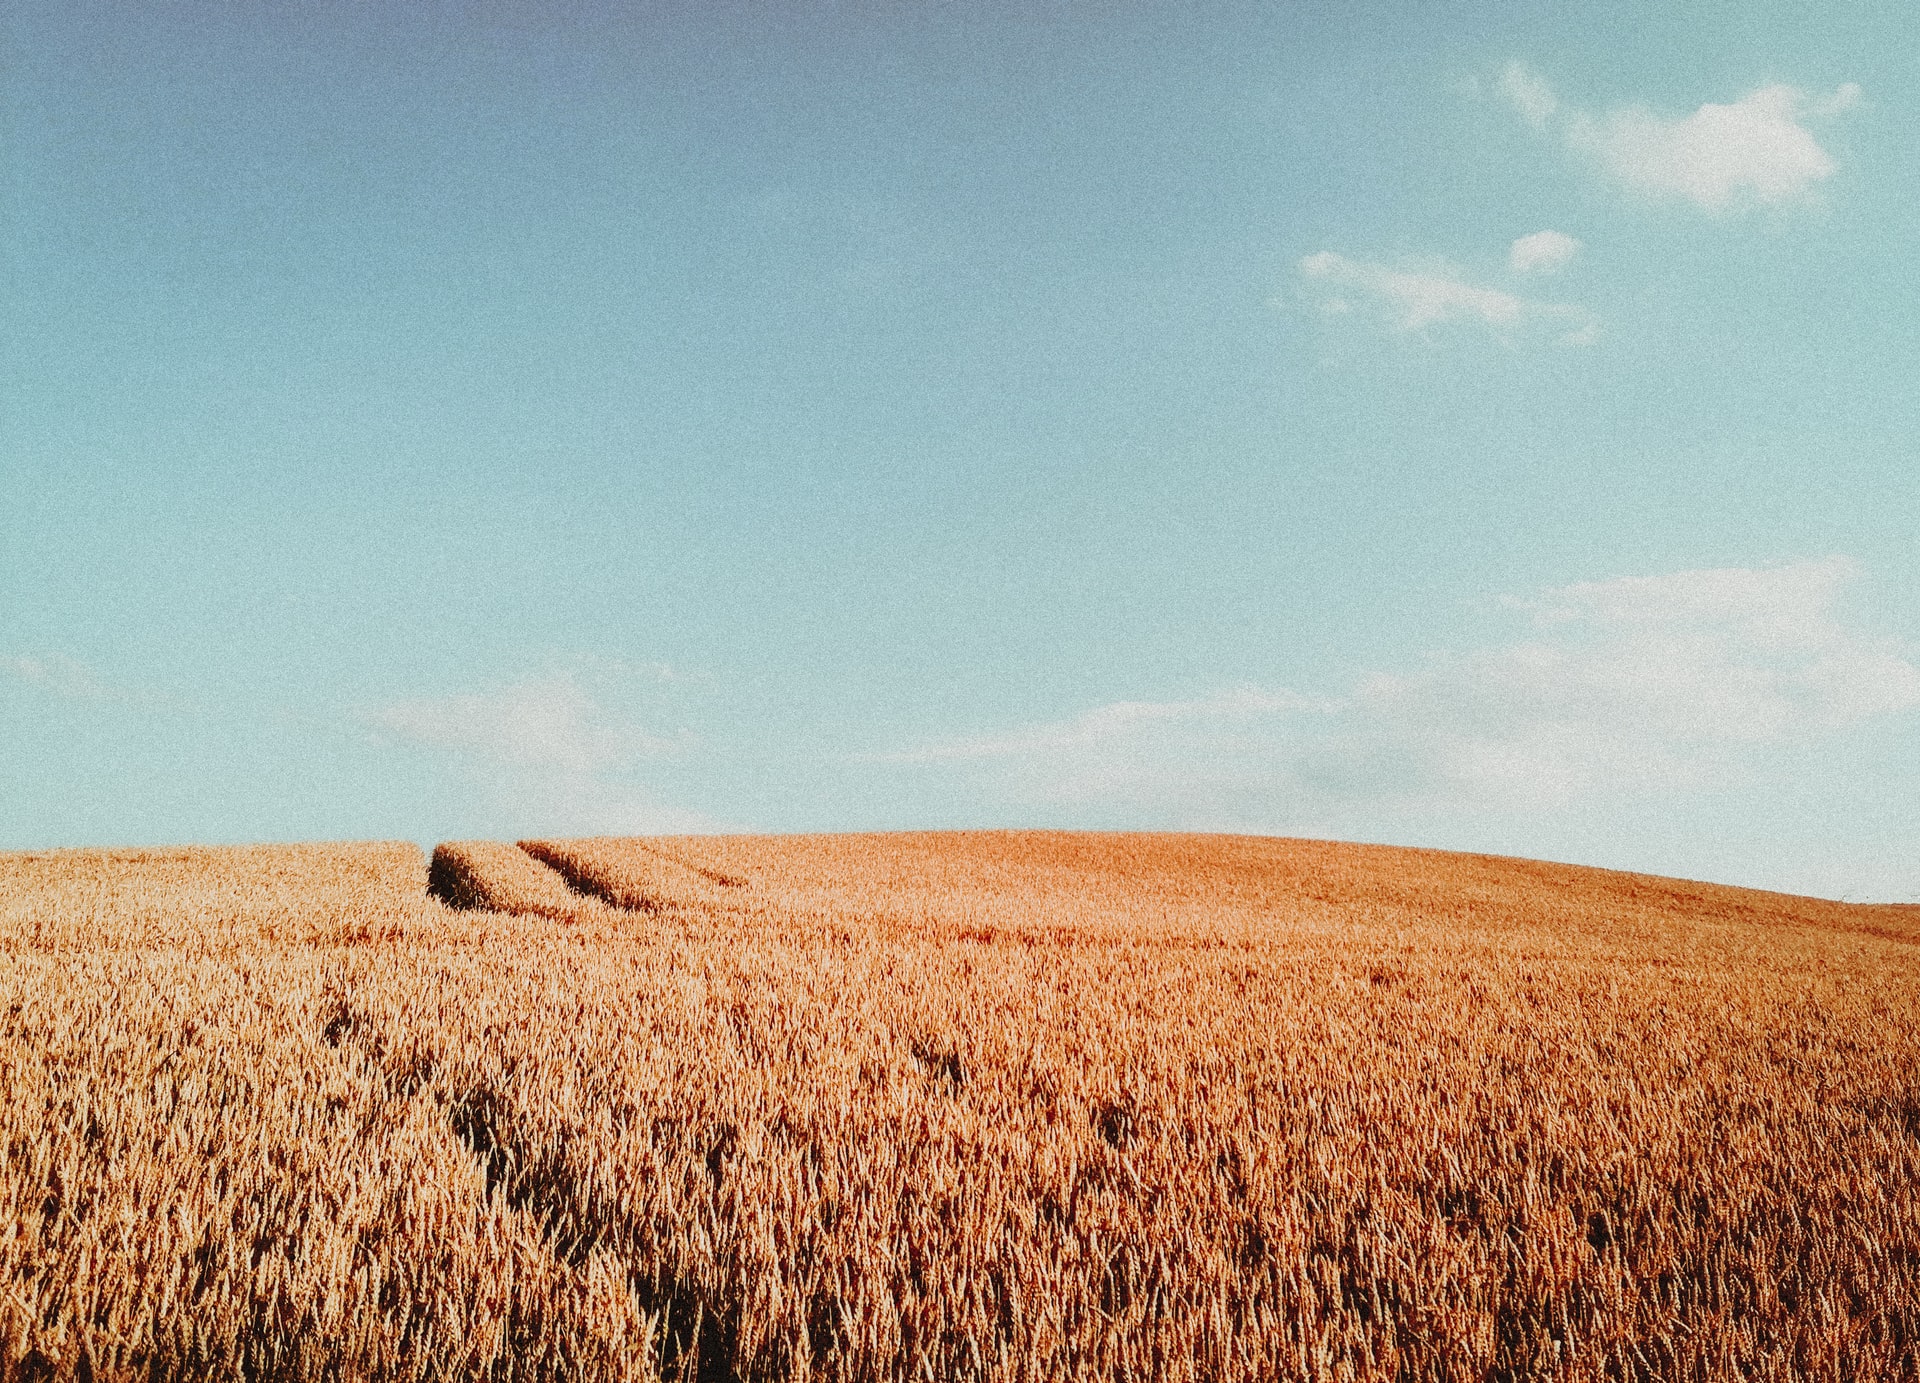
1485	426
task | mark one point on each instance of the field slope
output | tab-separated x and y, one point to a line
1025	1105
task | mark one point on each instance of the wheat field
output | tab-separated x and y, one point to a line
947	1106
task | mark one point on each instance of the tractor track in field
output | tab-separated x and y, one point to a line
533	1176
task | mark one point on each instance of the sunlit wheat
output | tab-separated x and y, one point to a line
979	1105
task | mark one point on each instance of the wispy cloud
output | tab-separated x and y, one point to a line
1528	93
1181	757
547	724
1122	721
1635	684
56	674
544	753
62	676
1414	299
1756	151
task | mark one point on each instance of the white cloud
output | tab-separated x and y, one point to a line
1756	147
1634	685
1415	299
1751	152
543	756
1804	669
1543	252
546	724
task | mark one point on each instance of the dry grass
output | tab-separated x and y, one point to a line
951	1106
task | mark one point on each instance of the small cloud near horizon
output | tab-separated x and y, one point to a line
1105	724
1632	685
542	755
550	723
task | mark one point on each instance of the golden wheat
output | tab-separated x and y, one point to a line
488	875
634	874
1007	1105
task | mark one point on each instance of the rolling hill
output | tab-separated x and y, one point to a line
1025	1105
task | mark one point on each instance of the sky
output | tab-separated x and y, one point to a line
1484	426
